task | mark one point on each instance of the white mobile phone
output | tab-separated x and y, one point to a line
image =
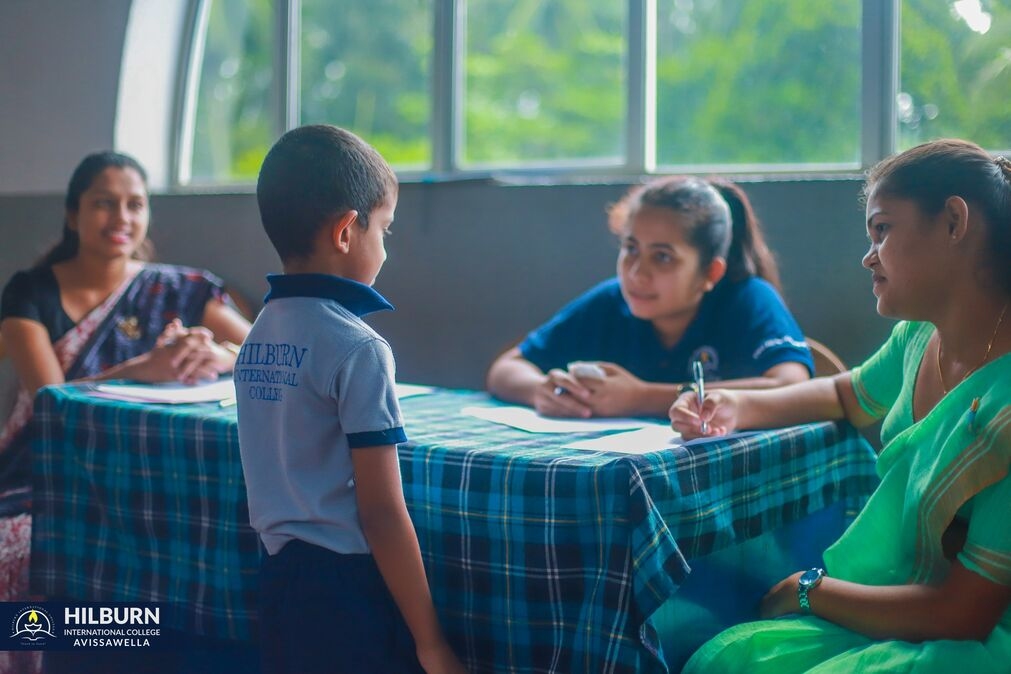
586	370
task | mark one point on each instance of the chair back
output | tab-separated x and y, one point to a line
826	362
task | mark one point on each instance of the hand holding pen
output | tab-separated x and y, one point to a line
700	391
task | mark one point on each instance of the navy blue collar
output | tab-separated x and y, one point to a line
356	297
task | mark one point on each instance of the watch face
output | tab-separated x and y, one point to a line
810	577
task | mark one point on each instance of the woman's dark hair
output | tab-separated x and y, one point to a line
82	178
929	174
723	224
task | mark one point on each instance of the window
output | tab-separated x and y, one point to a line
545	82
458	87
955	72
740	81
235	121
367	66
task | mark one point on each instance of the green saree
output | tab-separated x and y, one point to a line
931	470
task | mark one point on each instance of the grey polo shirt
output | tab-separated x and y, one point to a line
312	382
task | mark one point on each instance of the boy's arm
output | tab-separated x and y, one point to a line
394	543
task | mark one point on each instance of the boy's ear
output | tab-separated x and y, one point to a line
714	274
340	232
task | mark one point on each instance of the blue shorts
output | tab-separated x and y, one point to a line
324	612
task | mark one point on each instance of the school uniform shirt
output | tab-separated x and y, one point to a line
741	330
312	382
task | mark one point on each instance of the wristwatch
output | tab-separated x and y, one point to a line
809	580
685	388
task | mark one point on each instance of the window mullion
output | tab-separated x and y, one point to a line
880	81
640	115
446	84
286	85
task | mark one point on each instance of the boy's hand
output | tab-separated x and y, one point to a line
720	411
440	660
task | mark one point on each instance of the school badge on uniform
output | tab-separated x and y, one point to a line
710	359
129	327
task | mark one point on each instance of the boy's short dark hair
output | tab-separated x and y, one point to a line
313	173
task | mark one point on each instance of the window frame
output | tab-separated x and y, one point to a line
880	47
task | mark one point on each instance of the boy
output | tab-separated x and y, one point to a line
343	580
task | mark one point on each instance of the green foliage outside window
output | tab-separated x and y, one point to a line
544	81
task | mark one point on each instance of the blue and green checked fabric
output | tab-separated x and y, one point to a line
138	502
544	559
540	559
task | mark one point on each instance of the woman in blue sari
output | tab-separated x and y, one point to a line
93	308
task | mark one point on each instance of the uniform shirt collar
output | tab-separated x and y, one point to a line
356	297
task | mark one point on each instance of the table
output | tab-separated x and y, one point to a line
541	559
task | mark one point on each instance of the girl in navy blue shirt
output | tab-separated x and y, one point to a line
695	281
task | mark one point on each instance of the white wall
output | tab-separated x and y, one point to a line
59	73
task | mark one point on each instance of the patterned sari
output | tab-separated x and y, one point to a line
948	465
126	324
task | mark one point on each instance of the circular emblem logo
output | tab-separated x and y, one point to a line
710	359
32	625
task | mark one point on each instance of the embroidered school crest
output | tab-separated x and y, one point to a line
710	359
129	327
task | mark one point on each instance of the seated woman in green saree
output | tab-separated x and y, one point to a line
921	581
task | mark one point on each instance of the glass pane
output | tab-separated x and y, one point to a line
367	67
758	82
956	72
235	120
545	81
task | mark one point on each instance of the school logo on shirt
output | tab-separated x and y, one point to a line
710	359
32	625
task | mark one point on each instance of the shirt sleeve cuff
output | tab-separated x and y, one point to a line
390	436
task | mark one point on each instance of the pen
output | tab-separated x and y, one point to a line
700	389
973	408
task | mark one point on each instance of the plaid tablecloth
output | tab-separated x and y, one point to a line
541	559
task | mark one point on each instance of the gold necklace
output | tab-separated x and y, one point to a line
986	356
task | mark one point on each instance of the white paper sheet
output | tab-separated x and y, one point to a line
172	394
652	438
526	419
409	390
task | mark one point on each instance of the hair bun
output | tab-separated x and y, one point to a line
1004	164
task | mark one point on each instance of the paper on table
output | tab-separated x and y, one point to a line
527	419
652	438
408	390
169	393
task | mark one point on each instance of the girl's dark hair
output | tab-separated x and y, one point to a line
929	174
85	174
749	253
723	222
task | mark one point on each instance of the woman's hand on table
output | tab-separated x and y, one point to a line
201	358
720	411
561	395
185	355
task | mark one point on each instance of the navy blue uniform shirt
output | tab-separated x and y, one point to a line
741	330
